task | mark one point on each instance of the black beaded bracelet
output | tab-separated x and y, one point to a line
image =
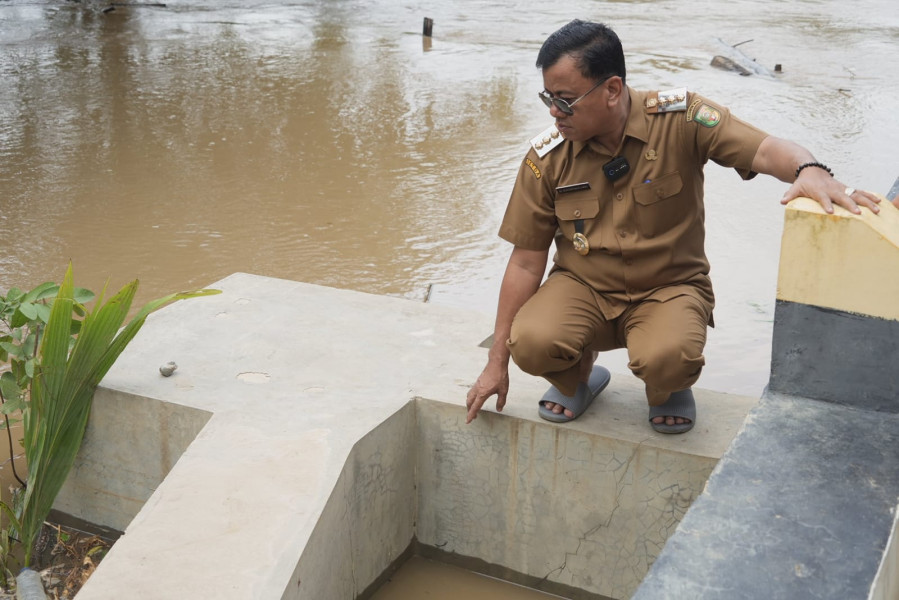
813	164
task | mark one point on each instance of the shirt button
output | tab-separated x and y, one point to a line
577	213
619	196
622	234
660	194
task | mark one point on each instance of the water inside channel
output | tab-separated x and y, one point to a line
423	578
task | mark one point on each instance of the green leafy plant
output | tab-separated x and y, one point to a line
6	546
52	380
24	316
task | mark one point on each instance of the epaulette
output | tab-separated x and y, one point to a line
548	139
667	101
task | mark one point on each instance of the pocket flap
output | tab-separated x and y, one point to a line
582	207
664	187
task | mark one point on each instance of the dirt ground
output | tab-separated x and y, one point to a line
65	558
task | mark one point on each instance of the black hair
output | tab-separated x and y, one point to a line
594	46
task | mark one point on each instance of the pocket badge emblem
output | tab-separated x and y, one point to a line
580	243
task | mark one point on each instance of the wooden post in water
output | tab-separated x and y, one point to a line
428	27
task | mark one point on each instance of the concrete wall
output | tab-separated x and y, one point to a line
559	505
836	322
130	445
803	504
369	518
841	261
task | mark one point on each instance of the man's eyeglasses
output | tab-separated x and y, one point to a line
563	105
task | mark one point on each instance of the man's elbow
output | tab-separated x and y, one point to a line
762	159
532	261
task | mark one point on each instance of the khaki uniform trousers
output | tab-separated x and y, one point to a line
560	322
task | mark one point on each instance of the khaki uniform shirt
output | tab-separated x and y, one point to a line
646	230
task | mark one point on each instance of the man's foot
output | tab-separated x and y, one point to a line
586	371
670	421
676	415
571	407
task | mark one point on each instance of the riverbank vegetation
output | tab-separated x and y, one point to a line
54	351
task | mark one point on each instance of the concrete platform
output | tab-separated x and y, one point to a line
311	435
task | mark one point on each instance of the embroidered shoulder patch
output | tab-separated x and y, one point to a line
533	167
708	116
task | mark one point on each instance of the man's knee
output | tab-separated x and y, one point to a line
668	366
537	349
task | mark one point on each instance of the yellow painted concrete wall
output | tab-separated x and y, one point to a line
841	261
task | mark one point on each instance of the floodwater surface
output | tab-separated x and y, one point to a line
326	141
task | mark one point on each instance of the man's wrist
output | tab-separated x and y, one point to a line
499	354
813	163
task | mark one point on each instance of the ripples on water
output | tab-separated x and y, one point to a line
326	141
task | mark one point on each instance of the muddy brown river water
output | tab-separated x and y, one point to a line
326	141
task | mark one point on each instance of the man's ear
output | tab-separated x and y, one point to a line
616	88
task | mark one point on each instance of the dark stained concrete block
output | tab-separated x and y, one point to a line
835	356
800	507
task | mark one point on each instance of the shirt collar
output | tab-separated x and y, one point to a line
636	126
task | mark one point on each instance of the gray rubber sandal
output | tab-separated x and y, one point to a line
583	397
679	404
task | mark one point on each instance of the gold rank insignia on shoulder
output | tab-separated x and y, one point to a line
667	101
546	140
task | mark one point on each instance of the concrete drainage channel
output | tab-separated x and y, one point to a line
563	511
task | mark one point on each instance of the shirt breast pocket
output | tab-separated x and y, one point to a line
659	206
576	206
